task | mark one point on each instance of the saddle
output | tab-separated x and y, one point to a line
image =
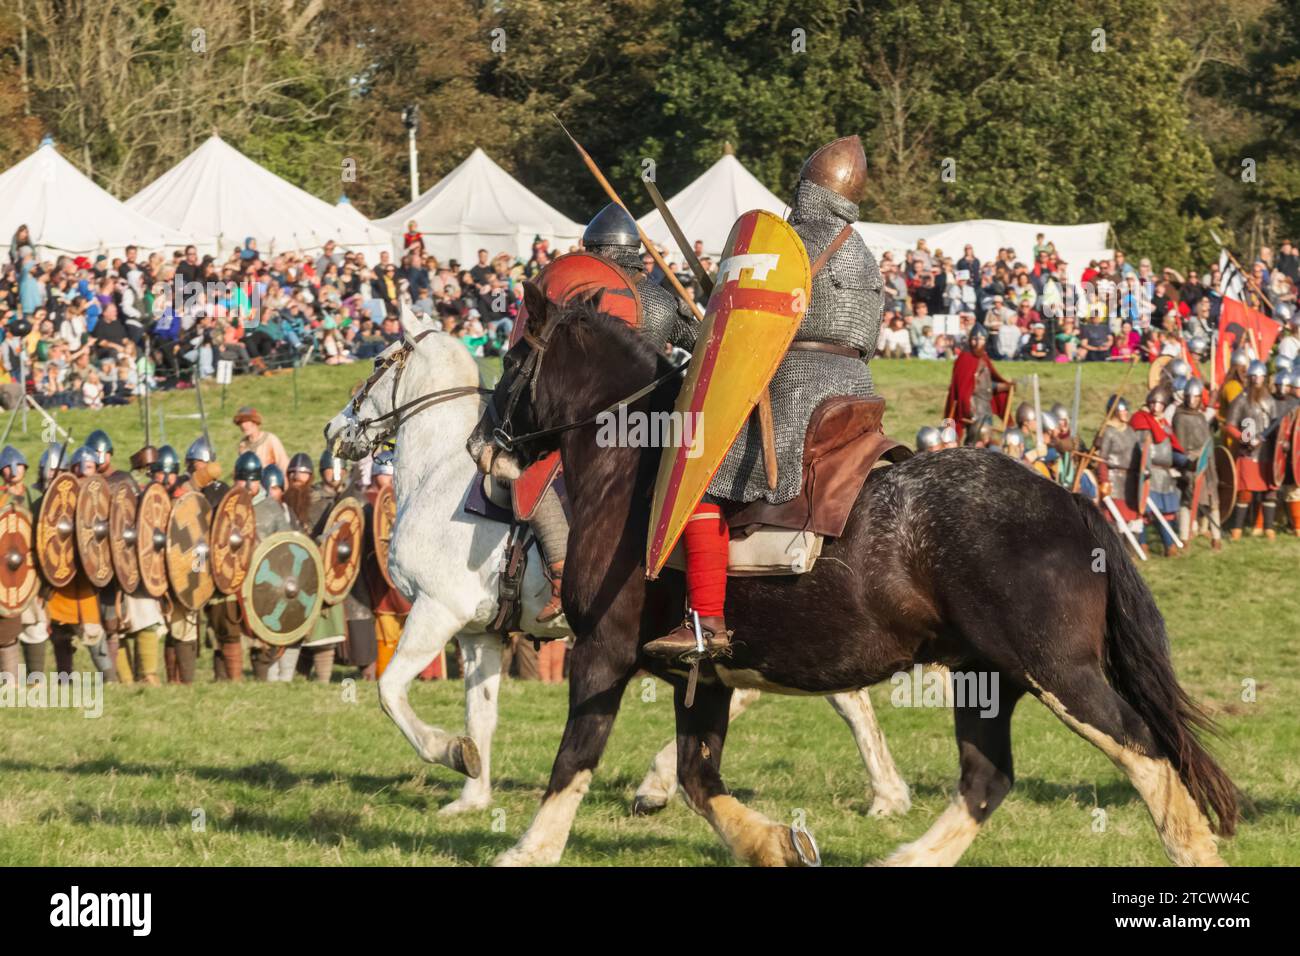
844	442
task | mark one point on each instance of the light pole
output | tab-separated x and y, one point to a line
411	120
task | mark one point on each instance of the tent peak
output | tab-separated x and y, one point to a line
47	140
728	149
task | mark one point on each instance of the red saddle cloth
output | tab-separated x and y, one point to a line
844	441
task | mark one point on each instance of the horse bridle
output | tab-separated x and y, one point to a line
527	377
407	410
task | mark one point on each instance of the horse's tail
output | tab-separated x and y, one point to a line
1139	668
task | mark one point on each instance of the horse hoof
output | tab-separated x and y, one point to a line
883	806
463	806
465	758
805	846
646	805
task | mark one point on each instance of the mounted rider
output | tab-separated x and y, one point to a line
828	358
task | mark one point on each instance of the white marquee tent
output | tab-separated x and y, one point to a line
478	205
67	214
218	197
1075	244
708	207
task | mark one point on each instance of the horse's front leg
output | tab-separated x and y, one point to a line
428	628
482	691
599	669
751	837
891	795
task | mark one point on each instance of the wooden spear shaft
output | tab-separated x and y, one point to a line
766	424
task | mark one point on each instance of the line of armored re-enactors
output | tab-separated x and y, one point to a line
123	634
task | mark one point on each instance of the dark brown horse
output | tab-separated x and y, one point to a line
961	557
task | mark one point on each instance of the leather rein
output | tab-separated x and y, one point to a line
408	410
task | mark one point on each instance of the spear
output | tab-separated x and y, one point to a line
766	423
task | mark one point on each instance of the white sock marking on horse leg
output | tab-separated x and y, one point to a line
751	837
891	795
423	637
543	842
1183	828
944	843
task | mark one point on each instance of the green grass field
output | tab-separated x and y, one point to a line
302	775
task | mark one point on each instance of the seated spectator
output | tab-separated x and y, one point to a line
1067	341
1127	343
895	342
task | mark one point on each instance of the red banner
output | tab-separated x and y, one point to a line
1241	326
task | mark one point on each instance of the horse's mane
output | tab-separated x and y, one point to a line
594	331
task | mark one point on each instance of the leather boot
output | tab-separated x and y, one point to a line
553	607
680	643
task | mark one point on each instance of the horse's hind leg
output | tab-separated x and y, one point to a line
660	783
751	837
1092	709
890	790
984	750
428	628
599	669
482	689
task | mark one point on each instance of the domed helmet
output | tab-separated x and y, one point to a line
1013	443
1120	406
248	467
1025	415
385	463
612	226
200	450
1062	413
1199	346
977	332
1049	422
1241	359
1281	382
1284	363
328	462
100	445
840	166
300	462
10	458
272	477
948	435
986	426
1179	386
1257	370
82	457
1194	394
928	438
1179	368
54	458
167	462
1162	395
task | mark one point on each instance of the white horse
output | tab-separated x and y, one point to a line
449	563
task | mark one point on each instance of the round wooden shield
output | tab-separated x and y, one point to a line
281	597
94	503
56	542
1156	372
384	516
121	539
1227	473
18	578
234	534
152	515
188	566
1282	439
341	539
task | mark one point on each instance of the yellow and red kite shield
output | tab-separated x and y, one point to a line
762	290
577	274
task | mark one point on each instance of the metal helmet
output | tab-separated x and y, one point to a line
1025	414
840	166
385	463
948	435
1241	359
1179	385
977	332
248	467
300	462
1281	382
330	462
100	445
1061	412
986	426
1284	363
80	457
168	462
1199	346
272	477
1120	404
1049	422
1257	369
1013	442
928	438
53	458
1194	394
1179	368
200	450
9	458
612	226
1162	395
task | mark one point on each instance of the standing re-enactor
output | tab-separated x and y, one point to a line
1194	429
1247	422
203	474
24	636
387	604
309	505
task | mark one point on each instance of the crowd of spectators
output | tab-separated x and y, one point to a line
85	333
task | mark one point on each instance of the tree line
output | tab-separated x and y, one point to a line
1173	119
